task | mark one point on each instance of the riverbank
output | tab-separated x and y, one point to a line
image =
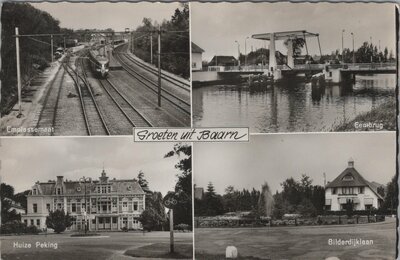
381	118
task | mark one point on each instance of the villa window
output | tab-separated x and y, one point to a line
334	190
26	222
34	192
48	206
135	205
58	191
108	189
32	222
34	208
38	222
361	190
73	207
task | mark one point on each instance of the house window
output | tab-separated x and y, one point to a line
194	65
347	190
48	206
114	220
334	190
73	207
32	222
361	190
135	205
58	191
348	177
368	207
26	222
125	204
34	192
327	207
104	189
34	208
59	206
98	189
38	222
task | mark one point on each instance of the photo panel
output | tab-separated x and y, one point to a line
78	69
95	198
297	196
333	67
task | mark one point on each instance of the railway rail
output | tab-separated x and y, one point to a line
130	112
94	120
181	83
165	94
48	114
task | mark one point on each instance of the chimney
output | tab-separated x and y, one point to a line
350	163
60	179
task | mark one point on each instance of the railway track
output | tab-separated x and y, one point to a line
165	94
94	120
48	114
175	81
126	107
130	112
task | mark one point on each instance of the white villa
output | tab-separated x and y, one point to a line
106	204
351	186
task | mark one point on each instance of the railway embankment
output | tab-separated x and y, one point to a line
31	106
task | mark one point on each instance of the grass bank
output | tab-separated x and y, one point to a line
381	118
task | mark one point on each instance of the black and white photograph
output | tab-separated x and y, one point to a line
95	198
297	196
77	69
294	67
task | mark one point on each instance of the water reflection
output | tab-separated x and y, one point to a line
291	106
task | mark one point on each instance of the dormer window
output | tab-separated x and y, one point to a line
34	192
348	177
58	191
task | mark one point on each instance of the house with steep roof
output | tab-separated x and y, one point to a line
197	57
103	204
350	186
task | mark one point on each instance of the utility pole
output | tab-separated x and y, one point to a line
245	52
52	55
171	230
159	66
18	72
354	55
342	47
151	48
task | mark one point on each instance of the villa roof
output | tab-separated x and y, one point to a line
196	48
127	186
357	181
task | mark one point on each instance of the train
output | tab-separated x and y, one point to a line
99	63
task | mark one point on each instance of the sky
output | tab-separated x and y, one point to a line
27	160
103	15
274	158
216	27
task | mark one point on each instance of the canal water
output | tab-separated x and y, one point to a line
290	107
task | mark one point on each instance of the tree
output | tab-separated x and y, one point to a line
183	187
391	200
297	43
7	196
150	219
142	181
58	221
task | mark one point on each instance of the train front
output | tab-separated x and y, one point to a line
104	68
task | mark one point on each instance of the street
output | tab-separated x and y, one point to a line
108	246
